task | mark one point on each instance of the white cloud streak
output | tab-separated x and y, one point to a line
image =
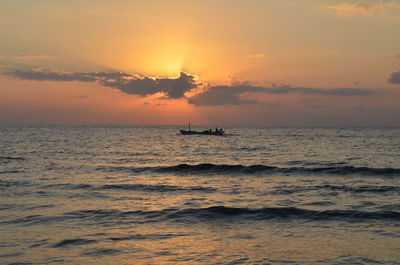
364	9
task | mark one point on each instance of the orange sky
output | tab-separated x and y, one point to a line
289	63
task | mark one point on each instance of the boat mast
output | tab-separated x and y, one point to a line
189	126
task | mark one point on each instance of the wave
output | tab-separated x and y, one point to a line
290	213
353	189
9	183
218	212
360	189
8	206
69	186
208	168
318	163
73	242
10	171
147	236
11	158
132	187
209	214
156	188
99	252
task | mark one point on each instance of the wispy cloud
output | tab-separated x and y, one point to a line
394	78
366	9
172	87
255	55
231	95
341	92
50	75
26	56
224	95
81	97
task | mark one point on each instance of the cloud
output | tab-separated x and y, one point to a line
231	95
81	97
175	87
255	55
224	95
394	78
366	9
327	92
50	75
25	56
172	87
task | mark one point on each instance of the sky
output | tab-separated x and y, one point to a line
220	62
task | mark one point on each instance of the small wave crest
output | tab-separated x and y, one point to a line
99	252
353	189
9	172
361	189
9	183
156	188
147	236
73	242
207	167
132	187
5	158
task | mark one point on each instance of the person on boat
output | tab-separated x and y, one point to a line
216	129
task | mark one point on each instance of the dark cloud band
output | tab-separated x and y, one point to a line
127	83
176	87
394	78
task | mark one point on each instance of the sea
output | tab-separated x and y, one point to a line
148	195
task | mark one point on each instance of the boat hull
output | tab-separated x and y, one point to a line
185	132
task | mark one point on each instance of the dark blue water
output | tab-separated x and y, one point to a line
147	195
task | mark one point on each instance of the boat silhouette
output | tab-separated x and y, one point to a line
205	132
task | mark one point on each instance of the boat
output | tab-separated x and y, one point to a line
205	132
185	132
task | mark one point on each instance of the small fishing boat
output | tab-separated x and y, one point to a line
205	132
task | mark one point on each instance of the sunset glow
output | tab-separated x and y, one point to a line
281	58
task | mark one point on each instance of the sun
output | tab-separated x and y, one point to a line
170	63
167	59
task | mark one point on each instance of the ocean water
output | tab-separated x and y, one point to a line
147	195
